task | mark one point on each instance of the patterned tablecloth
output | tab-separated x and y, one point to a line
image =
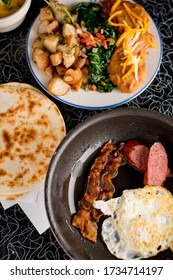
18	237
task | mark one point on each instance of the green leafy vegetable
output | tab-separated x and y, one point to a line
1	3
7	2
69	15
98	70
90	14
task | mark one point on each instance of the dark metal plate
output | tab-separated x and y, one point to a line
70	165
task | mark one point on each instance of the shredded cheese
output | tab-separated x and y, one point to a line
126	63
129	38
115	5
124	35
133	39
131	13
152	44
117	13
114	15
116	24
128	72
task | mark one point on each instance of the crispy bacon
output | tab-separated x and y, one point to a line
99	186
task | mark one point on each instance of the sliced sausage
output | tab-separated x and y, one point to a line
136	154
157	166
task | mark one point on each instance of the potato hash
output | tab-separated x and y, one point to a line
74	47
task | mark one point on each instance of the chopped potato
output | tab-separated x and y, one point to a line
72	76
49	71
68	29
39	42
46	14
59	12
72	41
53	27
51	42
60	69
35	53
79	62
68	59
77	52
56	58
85	72
58	87
77	85
64	48
43	60
42	27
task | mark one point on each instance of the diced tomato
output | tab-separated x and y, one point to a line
100	36
93	87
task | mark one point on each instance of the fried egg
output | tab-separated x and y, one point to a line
140	223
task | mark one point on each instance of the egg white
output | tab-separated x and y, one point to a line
140	223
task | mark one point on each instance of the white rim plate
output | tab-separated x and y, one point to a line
93	99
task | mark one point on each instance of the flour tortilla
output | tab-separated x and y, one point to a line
12	197
31	127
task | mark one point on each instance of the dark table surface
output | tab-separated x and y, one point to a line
18	237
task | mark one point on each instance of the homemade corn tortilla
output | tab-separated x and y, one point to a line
31	127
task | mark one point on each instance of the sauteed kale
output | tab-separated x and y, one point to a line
99	56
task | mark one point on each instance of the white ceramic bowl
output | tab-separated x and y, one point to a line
14	20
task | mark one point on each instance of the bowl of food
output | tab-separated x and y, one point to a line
12	14
108	188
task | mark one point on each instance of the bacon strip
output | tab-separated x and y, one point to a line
99	186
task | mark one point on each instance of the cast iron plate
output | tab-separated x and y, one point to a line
70	165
